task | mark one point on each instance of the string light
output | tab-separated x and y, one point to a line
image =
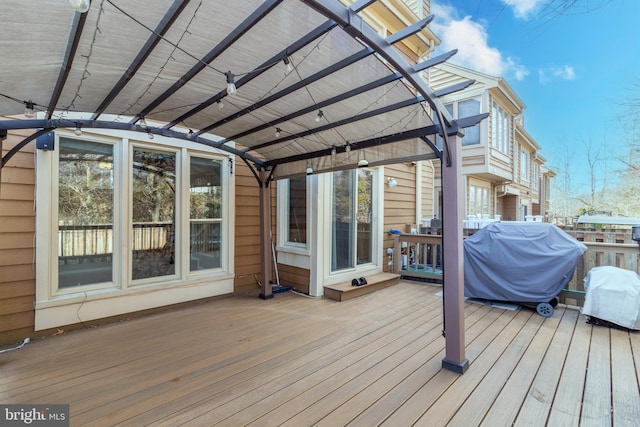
80	6
333	155
149	134
278	132
143	122
231	85
29	111
220	105
78	130
190	134
288	66
319	116
347	148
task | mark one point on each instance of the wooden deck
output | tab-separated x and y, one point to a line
296	361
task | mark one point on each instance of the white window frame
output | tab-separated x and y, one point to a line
536	176
500	128
525	165
57	307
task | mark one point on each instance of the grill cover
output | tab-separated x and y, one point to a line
519	262
613	294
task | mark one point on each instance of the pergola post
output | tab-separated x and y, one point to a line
265	234
453	206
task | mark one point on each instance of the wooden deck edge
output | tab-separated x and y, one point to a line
345	291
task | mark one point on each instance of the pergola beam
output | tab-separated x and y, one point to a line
294	47
41	124
262	11
161	29
355	26
72	46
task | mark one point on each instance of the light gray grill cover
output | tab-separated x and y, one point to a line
519	261
613	294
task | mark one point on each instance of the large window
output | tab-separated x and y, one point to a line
352	219
499	128
461	109
123	224
478	201
467	108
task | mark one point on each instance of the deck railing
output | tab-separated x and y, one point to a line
420	256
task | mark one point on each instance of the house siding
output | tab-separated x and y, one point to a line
17	240
247	212
17	251
399	203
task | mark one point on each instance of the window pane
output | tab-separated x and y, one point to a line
297	210
205	207
154	206
365	215
470	107
342	221
85	213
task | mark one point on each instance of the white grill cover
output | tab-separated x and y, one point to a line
519	262
613	294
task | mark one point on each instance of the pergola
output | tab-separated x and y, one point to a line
287	86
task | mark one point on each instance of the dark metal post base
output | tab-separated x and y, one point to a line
263	296
458	368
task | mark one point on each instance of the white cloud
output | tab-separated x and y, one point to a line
564	72
522	9
472	41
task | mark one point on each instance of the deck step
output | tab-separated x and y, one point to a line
344	291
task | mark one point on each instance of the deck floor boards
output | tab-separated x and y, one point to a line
295	361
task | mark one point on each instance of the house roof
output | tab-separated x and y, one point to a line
350	98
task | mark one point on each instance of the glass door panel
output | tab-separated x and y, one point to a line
342	243
365	216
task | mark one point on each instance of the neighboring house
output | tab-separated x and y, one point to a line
505	176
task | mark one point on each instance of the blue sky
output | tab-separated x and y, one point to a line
572	70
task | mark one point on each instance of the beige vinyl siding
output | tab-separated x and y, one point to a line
427	195
439	78
17	230
399	203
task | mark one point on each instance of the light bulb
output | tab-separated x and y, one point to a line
78	130
333	155
347	149
220	105
143	122
319	116
150	135
190	134
231	85
80	6
29	109
288	66
278	132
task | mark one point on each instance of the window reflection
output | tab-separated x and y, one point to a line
153	213
205	200
85	213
